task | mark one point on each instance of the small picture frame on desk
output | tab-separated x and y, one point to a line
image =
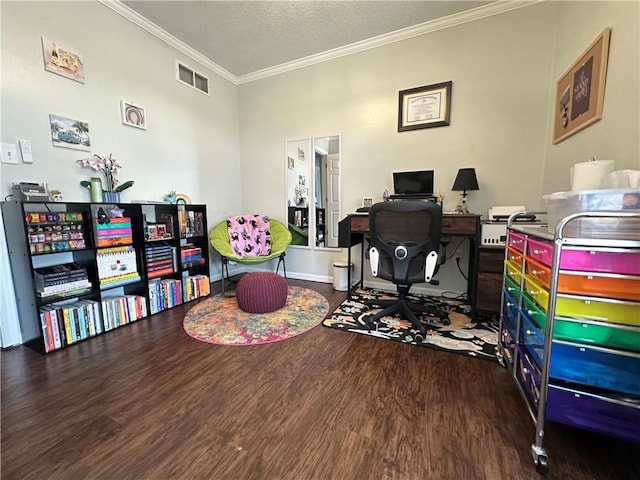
367	202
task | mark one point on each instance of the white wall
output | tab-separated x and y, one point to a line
617	135
191	144
498	120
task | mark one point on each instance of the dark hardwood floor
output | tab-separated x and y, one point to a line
149	402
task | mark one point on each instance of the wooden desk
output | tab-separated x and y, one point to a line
353	228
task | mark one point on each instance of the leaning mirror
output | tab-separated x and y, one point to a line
326	189
299	189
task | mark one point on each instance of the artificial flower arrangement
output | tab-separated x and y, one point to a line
110	167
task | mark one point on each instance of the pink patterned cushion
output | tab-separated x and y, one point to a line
249	235
261	292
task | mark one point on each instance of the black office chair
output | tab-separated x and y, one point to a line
405	238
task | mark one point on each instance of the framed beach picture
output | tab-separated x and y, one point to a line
69	133
133	115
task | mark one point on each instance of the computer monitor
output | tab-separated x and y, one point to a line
413	183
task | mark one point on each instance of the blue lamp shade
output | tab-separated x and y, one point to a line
465	180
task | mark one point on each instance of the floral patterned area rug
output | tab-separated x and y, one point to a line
464	336
219	320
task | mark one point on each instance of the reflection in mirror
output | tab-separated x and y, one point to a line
313	191
327	190
299	188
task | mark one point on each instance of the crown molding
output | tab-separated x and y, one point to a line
169	39
478	13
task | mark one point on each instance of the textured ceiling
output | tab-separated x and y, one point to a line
243	36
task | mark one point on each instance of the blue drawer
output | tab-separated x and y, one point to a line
531	337
594	412
510	305
508	335
614	370
598	367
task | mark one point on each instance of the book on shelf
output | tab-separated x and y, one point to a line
64	294
113	242
60	271
64	287
120	280
196	286
182	221
116	262
42	282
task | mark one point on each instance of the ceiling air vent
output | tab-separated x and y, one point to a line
192	78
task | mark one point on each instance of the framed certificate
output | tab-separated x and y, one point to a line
424	107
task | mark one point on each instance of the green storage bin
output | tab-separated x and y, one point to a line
585	331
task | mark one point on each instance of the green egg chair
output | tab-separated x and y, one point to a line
280	240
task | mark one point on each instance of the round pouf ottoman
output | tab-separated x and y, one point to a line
261	292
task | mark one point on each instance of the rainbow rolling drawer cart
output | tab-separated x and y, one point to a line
570	324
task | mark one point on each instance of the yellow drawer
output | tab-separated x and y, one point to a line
536	291
601	309
513	272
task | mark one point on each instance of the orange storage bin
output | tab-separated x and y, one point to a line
515	256
538	271
610	286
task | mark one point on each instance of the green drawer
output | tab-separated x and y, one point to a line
585	331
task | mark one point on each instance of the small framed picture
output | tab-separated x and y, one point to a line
133	115
367	202
291	163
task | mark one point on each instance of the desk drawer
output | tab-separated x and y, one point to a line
360	223
491	260
460	224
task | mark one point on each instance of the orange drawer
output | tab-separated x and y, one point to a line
515	256
538	271
623	287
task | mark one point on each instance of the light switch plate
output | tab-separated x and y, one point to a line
9	153
25	149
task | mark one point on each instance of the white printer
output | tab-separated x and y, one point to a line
494	230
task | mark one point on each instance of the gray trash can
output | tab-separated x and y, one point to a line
340	276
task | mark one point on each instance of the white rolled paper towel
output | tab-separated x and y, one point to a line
589	175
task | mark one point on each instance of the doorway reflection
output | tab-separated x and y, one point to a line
313	191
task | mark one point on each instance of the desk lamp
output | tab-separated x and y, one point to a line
465	180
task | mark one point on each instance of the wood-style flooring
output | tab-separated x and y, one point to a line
149	402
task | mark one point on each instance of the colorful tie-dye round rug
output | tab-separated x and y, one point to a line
219	320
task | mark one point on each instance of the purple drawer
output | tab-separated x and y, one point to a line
593	412
621	261
528	377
